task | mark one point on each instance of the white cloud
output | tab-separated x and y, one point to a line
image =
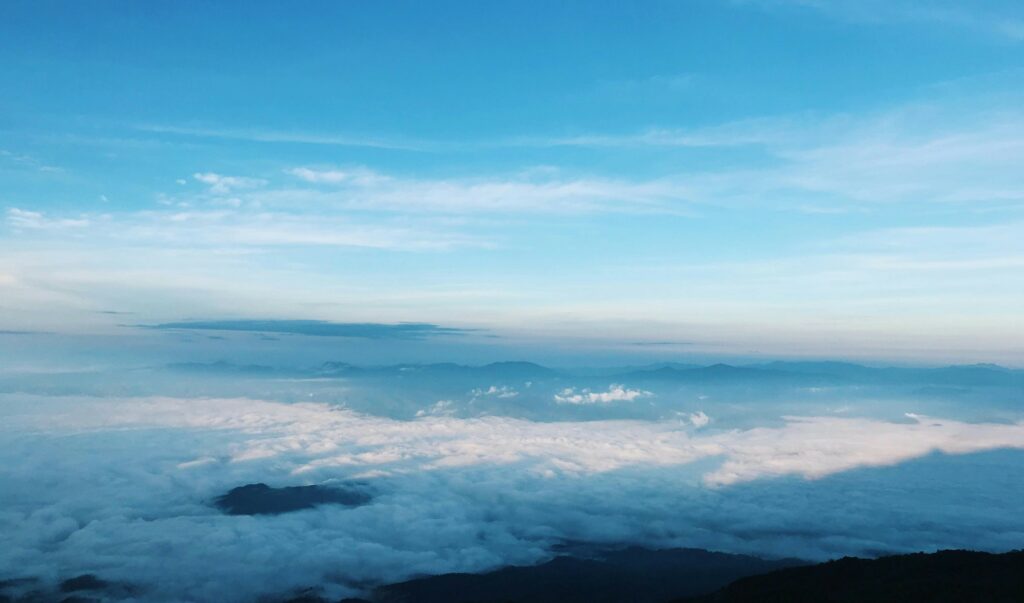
33	220
497	391
221	185
21	218
951	146
278	136
615	393
528	193
441	408
242	226
359	176
699	419
122	488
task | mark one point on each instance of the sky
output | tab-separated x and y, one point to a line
710	178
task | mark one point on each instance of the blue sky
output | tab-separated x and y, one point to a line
745	178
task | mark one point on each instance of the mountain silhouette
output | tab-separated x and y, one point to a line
634	574
942	577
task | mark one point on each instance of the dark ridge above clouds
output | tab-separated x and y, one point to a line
316	328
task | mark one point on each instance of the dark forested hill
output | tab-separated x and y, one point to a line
634	574
942	577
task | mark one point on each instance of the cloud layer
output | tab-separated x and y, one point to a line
123	488
316	328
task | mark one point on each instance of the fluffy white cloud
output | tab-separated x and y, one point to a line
496	391
615	393
699	419
122	488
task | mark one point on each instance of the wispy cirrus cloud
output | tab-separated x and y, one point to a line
23	219
220	184
951	146
361	188
287	137
988	17
361	176
25	161
924	152
240	227
746	132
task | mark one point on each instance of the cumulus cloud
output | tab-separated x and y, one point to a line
497	391
440	408
122	488
615	393
699	419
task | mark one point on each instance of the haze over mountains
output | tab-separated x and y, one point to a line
824	371
529	390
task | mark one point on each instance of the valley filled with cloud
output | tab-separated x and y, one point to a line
512	467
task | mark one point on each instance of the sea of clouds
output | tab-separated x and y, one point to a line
122	487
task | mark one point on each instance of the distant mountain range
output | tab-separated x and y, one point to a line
784	373
500	370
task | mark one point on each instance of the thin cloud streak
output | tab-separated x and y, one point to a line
315	328
979	18
284	137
